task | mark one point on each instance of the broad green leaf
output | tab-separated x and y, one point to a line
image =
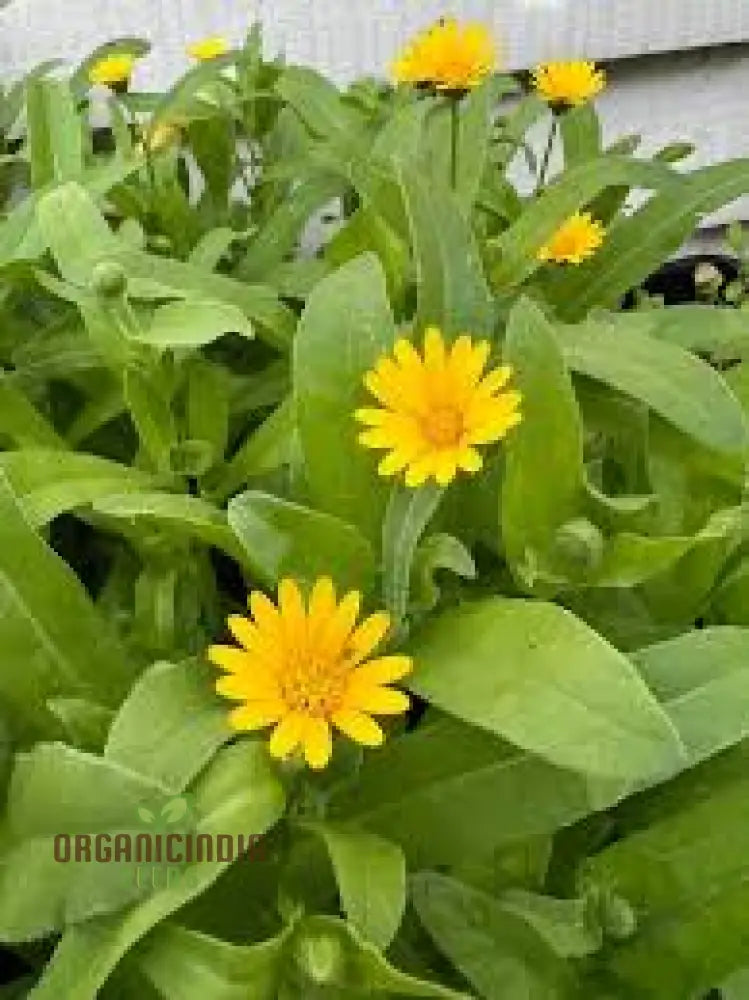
54	132
237	794
561	923
185	515
407	516
580	130
449	791
208	406
438	552
267	448
184	964
542	487
85	724
194	323
57	790
685	391
320	106
282	539
498	952
54	643
21	423
703	329
151	414
170	725
371	876
50	483
517	248
686	877
635	246
75	231
702	678
536	675
345	328
451	288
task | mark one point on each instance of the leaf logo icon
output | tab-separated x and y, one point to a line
146	815
174	811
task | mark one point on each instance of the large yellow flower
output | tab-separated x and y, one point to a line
302	668
112	70
568	83
448	56
437	408
208	48
575	241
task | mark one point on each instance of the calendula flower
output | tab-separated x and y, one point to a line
566	84
448	56
304	668
208	48
110	71
575	241
437	408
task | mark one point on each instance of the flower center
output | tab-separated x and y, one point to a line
443	426
314	685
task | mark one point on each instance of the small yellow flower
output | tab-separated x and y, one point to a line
112	70
567	84
163	136
448	56
575	241
437	408
302	669
208	48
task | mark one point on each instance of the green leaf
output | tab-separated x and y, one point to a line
434	553
517	248
237	794
54	643
170	725
152	416
702	329
346	326
285	539
702	678
686	877
319	105
266	449
451	288
194	323
542	487
581	135
184	964
20	422
498	953
54	132
685	391
474	136
208	389
407	517
635	246
448	791
57	790
85	723
50	483
371	876
75	231
535	675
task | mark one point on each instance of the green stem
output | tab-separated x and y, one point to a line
454	134
547	153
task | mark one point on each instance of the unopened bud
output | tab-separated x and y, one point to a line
109	279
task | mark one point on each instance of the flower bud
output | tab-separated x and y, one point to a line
579	545
109	279
320	955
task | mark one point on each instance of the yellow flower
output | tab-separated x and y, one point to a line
437	408
164	135
208	48
448	56
111	70
304	668
575	240
568	83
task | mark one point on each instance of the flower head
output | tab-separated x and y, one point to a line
576	240
447	56
112	70
208	48
566	84
437	408
302	668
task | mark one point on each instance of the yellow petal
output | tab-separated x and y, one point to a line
230	658
255	715
383	670
287	735
322	599
264	612
434	349
394	462
470	460
445	467
243	630
258	683
378	700
340	625
359	727
369	634
318	742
